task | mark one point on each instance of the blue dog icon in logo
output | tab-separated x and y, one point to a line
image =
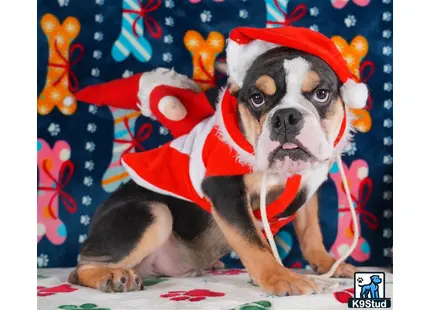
371	288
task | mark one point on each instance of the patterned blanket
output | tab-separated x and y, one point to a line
219	290
85	42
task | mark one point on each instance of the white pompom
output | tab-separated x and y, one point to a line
161	76
172	108
354	94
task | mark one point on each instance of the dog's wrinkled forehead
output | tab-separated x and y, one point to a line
284	72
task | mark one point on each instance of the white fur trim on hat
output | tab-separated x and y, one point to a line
354	94
241	56
160	76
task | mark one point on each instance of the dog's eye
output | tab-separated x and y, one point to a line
321	95
257	100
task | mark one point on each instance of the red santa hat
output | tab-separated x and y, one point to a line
120	93
172	98
246	44
134	92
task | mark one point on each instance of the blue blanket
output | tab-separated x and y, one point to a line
85	42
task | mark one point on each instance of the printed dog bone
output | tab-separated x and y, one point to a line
61	82
124	142
135	18
55	171
277	16
360	186
340	4
353	54
204	53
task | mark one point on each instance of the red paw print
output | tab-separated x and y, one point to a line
48	291
344	296
193	295
230	272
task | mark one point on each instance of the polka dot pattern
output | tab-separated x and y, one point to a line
65	154
68	101
41	229
362	172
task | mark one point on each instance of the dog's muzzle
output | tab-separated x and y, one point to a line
286	125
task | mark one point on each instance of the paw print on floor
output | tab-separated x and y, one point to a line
82	307
43	291
193	295
153	281
344	296
255	305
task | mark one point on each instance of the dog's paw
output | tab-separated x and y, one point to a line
107	280
281	281
344	270
121	280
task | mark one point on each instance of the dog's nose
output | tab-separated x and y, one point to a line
287	122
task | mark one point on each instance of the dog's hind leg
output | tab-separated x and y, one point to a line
122	235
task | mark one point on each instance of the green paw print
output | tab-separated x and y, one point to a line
255	305
153	281
82	307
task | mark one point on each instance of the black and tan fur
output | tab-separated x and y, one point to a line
138	233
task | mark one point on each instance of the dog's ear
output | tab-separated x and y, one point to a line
222	67
233	87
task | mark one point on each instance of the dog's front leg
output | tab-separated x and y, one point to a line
233	214
307	227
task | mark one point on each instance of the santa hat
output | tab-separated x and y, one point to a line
120	93
134	92
172	98
246	44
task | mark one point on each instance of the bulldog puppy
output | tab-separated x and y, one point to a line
290	110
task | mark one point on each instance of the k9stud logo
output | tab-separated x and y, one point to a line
369	291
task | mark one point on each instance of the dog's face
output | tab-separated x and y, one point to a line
290	110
